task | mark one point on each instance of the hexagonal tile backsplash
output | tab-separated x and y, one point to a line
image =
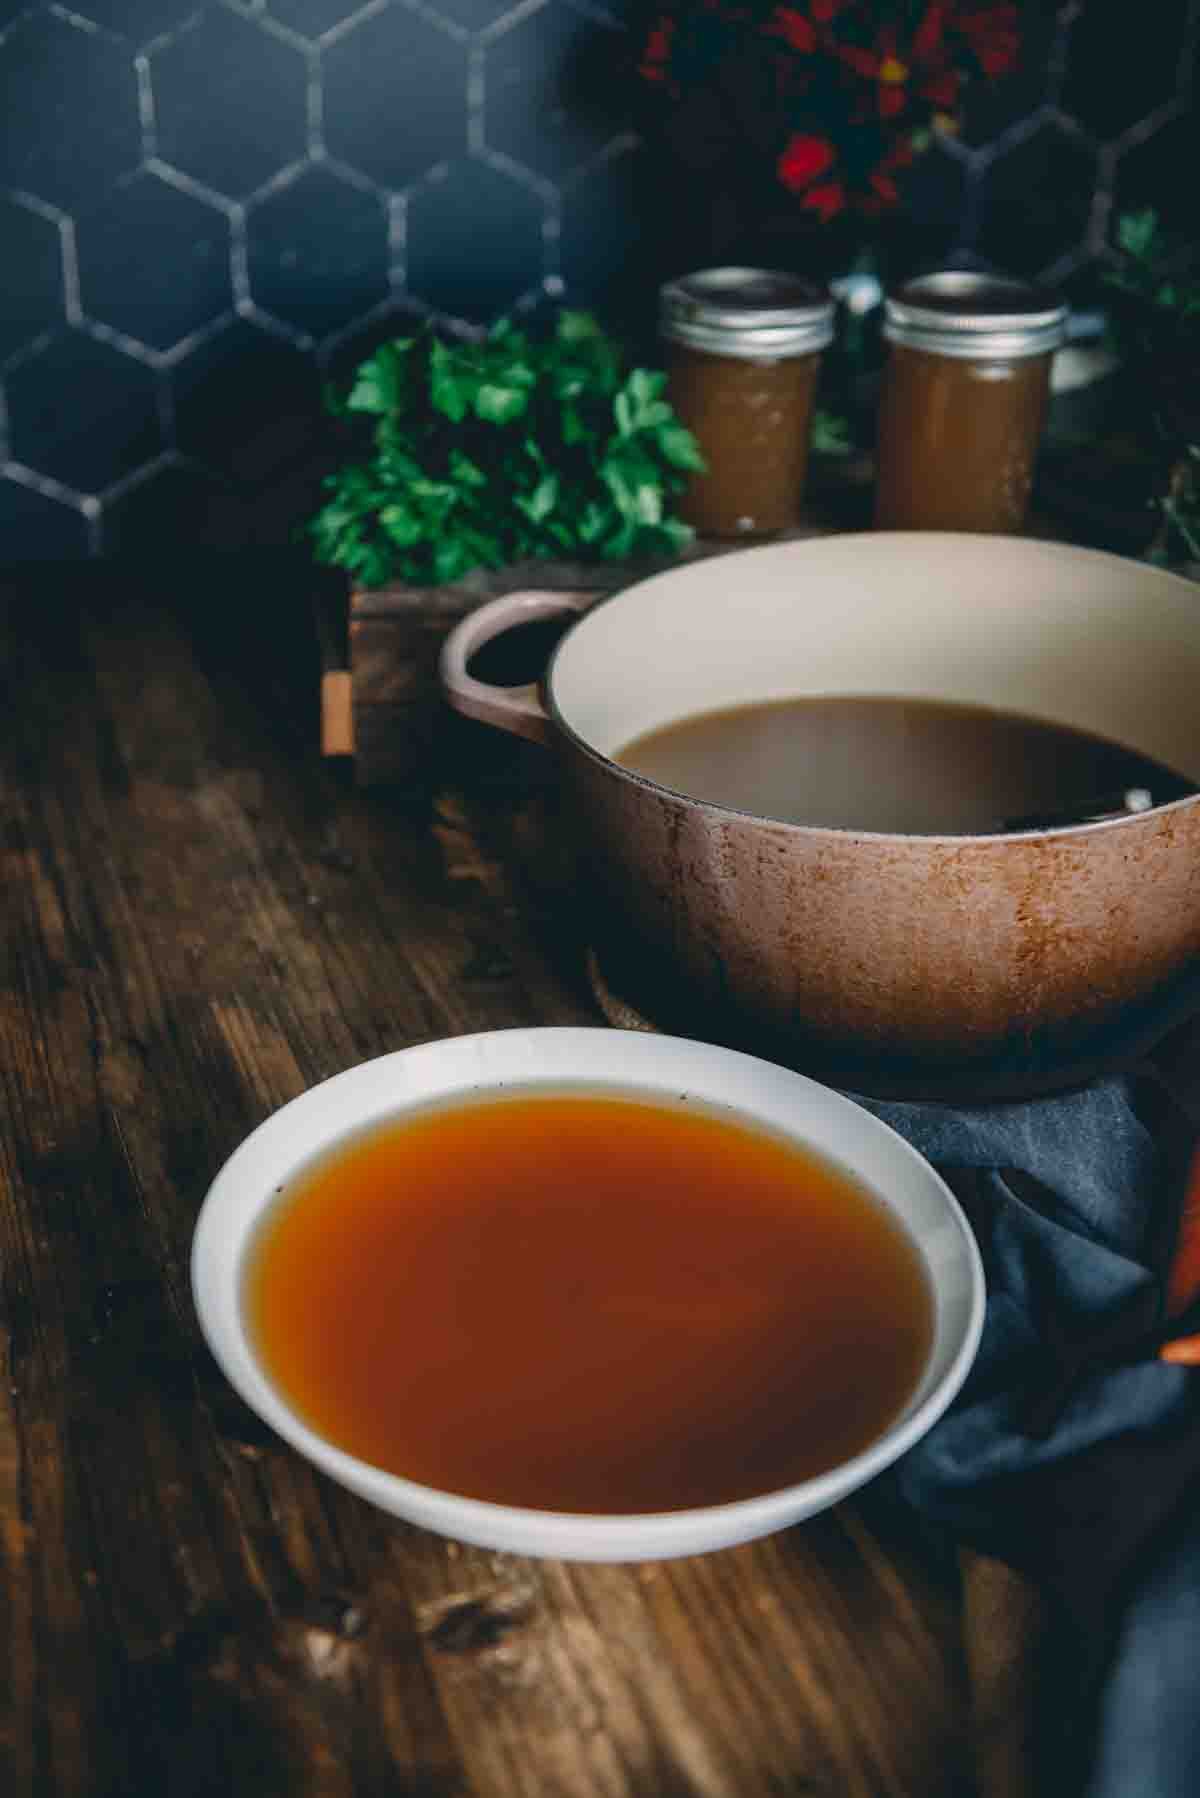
208	205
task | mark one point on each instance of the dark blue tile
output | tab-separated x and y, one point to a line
1037	199
179	247
36	529
552	92
1161	172
138	20
311	18
174	512
395	97
599	250
230	102
83	412
70	122
1121	68
247	405
318	253
933	196
31	293
474	242
628	13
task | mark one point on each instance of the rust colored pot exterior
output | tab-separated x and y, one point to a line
1007	952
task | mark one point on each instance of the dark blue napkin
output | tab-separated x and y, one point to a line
1072	1452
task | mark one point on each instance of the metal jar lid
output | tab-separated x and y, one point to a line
956	312
753	313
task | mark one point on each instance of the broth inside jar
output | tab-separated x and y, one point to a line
913	766
588	1302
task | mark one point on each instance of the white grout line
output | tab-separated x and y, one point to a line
195	340
165	39
502	26
1100	215
621	144
352	176
146	117
133	347
397	243
345	26
315	105
68	249
239	265
275	327
67	17
1144	128
447	27
476	98
187	184
518	172
23	476
32	203
27	352
16	20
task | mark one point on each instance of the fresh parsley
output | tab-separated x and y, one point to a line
501	450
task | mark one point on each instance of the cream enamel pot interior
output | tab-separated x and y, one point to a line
1002	952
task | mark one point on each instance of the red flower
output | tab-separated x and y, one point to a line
826	200
941	89
855	82
657	51
994	34
884	66
804	158
882	191
793	28
927	40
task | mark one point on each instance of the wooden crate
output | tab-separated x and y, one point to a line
380	700
383	703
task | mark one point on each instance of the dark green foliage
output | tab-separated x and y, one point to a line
502	450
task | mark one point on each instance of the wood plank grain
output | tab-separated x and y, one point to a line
202	918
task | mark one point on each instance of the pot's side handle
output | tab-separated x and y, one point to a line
516	709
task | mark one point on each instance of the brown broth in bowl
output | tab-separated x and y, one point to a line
588	1302
913	766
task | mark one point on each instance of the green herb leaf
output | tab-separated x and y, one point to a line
680	448
466	472
577	327
451	390
402	525
380	381
830	434
542	501
450	485
499	405
1136	232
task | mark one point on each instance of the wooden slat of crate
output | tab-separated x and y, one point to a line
401	727
399	724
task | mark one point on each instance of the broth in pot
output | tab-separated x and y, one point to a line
916	767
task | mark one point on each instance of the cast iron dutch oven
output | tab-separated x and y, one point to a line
1014	960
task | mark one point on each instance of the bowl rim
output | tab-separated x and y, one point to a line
367	1093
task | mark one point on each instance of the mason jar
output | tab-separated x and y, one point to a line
743	349
963	402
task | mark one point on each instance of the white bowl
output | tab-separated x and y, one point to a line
509	1060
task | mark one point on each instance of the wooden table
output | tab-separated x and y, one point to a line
201	918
